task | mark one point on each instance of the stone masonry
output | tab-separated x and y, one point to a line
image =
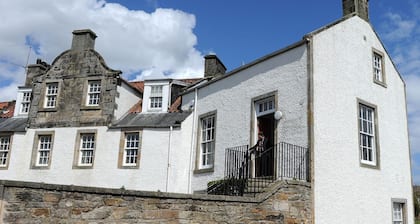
72	70
287	202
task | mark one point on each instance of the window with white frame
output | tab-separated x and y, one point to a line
265	106
398	213
93	93
378	71
4	150
51	93
26	102
87	149
44	150
156	97
207	141
131	149
367	138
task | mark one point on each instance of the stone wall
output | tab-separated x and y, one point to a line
23	202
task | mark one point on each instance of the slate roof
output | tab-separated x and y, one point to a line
13	124
151	120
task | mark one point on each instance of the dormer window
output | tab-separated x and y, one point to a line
51	93
26	102
93	93
156	97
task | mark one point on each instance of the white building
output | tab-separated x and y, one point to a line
332	109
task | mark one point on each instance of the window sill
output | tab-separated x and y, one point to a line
40	167
84	107
368	165
129	167
383	84
206	170
48	110
82	167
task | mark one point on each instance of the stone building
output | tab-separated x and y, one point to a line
77	122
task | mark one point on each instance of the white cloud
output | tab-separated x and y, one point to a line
398	28
401	36
136	42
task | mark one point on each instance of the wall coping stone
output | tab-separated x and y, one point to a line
271	190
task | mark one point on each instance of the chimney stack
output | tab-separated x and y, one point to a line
83	40
360	7
213	66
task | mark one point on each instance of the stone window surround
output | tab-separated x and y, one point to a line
35	149
84	105
383	82
76	164
376	128
10	135
42	107
198	168
404	211
121	151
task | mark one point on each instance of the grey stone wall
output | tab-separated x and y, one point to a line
285	202
72	69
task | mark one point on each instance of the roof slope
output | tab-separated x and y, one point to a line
152	120
13	124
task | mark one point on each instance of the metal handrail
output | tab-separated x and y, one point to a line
250	171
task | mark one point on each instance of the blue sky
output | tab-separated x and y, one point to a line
147	38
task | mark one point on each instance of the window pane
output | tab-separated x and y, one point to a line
366	133
93	94
131	148
87	147
44	150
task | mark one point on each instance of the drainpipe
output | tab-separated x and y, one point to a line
190	171
168	167
169	96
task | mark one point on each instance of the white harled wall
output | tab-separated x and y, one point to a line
126	98
150	176
233	96
345	192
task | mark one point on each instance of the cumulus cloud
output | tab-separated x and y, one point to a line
141	44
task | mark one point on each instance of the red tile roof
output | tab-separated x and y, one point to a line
136	108
139	85
7	109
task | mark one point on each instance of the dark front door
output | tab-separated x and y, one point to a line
264	157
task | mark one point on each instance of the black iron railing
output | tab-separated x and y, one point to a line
250	170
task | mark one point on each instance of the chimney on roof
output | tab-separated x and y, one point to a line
83	40
213	66
360	7
35	70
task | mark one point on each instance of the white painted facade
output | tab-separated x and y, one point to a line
316	84
125	99
159	147
283	75
344	190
